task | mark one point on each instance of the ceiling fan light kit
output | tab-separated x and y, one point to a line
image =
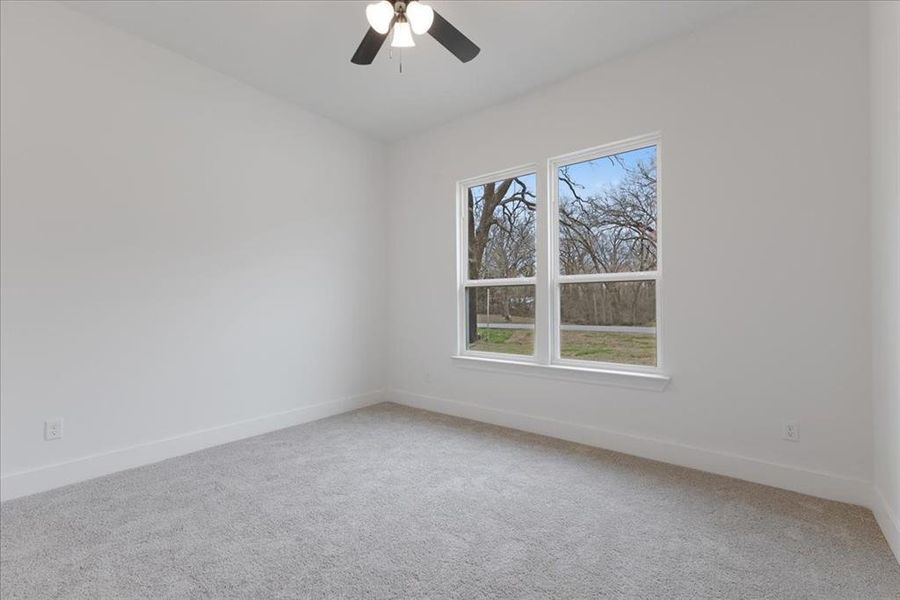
402	37
420	16
405	18
380	15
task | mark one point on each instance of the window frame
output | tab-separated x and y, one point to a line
462	276
557	279
548	279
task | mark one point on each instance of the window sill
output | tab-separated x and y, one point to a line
655	382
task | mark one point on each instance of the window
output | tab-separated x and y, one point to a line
499	278
605	271
592	299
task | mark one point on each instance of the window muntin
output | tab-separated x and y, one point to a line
595	234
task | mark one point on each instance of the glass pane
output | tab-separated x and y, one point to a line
501	228
500	319
607	214
609	322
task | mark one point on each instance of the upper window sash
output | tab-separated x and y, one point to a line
579	191
499	257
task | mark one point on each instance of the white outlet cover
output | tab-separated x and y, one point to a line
53	429
791	431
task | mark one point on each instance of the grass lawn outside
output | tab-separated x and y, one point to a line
507	341
624	348
495	318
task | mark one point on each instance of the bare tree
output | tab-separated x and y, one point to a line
607	231
501	239
610	231
613	230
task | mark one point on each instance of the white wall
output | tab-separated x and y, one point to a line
198	269
764	119
179	252
885	132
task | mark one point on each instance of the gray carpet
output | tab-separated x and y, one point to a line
391	502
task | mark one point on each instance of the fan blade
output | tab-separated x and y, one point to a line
452	39
368	47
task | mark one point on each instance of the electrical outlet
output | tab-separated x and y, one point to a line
53	430
791	431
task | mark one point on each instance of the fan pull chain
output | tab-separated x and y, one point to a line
399	55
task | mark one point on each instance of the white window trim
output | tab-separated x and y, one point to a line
511	364
546	361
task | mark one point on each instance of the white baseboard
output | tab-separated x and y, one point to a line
887	520
31	481
814	483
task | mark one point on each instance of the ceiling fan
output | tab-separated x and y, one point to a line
406	17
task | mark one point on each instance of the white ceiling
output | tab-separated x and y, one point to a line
301	51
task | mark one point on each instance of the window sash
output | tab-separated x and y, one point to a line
556	323
463	220
529	358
